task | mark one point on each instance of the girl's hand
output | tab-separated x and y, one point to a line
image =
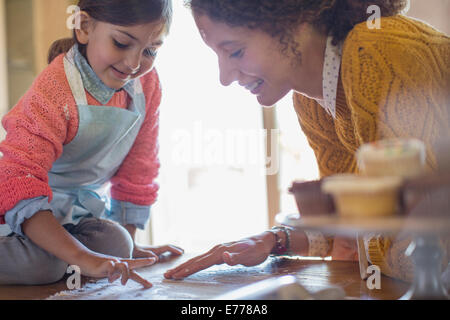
141	251
100	266
248	252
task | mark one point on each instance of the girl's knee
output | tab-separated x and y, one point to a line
108	237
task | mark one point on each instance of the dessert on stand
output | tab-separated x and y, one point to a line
392	194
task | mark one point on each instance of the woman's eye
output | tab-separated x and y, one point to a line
120	45
237	54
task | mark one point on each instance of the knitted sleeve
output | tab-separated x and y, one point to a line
134	182
396	83
43	120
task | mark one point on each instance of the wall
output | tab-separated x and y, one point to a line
32	26
49	24
434	12
19	48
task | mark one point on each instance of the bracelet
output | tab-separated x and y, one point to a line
279	248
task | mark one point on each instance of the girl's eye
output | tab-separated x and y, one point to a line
237	54
120	45
150	53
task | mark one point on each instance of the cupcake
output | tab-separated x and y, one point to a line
362	196
392	157
310	199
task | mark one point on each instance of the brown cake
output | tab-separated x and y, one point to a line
310	198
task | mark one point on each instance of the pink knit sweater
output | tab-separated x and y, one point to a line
46	118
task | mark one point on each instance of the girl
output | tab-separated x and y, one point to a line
90	118
354	81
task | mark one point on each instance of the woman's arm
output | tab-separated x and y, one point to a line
46	232
248	252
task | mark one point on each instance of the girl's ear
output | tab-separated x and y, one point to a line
86	23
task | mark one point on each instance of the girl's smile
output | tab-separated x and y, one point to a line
122	75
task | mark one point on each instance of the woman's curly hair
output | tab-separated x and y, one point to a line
280	18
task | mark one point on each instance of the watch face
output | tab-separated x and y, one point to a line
279	248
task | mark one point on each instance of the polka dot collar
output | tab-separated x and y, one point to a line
331	66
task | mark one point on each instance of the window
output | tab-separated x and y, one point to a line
212	181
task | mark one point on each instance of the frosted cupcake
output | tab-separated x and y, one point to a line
392	157
359	196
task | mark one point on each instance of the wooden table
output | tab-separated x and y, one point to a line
217	280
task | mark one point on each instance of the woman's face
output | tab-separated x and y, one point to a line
118	54
250	57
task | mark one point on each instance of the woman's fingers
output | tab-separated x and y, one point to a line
191	266
212	257
197	265
169	273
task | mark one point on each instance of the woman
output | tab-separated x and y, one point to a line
355	80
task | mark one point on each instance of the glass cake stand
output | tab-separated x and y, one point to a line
424	250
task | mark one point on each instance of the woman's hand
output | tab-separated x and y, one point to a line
248	252
141	251
100	266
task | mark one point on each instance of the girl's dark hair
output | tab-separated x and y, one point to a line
280	18
118	12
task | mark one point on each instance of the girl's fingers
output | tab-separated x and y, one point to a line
168	248
145	254
122	267
117	270
138	263
122	270
136	277
111	273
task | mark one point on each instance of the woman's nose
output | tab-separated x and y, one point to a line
228	72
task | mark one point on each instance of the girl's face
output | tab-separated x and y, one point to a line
118	54
254	59
250	57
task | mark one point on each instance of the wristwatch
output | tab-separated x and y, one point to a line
279	248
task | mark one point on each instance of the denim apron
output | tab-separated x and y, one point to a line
79	178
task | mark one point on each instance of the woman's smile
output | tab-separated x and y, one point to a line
255	86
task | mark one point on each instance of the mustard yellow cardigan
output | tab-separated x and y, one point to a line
394	82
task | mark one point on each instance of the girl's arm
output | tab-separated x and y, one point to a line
39	125
46	232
